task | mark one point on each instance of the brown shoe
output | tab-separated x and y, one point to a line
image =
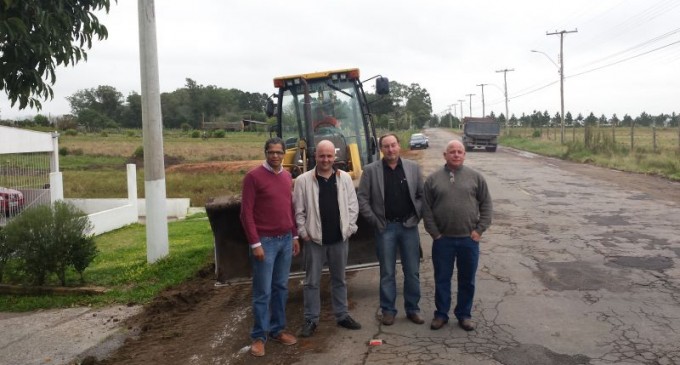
257	348
285	338
466	324
437	323
415	318
388	319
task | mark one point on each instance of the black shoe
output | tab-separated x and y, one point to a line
308	329
349	323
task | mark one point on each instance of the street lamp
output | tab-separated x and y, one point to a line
560	71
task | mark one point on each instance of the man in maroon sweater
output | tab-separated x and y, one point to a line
269	223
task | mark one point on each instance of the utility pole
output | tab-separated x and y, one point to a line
460	101
152	133
470	96
483	107
450	116
505	83
562	33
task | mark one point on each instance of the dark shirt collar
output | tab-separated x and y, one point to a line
388	166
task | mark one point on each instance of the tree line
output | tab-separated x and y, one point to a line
539	119
188	107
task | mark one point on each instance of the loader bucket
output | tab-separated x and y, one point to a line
232	263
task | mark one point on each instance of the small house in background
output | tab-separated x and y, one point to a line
239	126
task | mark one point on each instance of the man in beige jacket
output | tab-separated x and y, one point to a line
326	211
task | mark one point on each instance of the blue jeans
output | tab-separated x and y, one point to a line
445	252
270	286
407	241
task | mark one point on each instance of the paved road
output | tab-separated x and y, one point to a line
574	270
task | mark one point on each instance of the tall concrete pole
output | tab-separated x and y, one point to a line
483	106
470	96
505	83
152	132
460	101
561	33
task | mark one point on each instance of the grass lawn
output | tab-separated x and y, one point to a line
122	268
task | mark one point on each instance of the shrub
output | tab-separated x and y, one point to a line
195	134
130	133
536	133
47	240
139	152
185	127
219	134
104	134
63	151
71	132
6	252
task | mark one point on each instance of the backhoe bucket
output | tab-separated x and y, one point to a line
232	263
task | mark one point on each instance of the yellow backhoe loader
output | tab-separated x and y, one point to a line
309	108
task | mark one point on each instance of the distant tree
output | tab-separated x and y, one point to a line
591	119
94	121
615	120
557	119
41	120
418	105
501	119
36	36
105	100
602	120
568	119
627	121
132	111
644	120
579	119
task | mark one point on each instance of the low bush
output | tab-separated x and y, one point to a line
219	134
139	152
195	134
47	240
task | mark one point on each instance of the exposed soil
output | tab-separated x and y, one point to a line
198	323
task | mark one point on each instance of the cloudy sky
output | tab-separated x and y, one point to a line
623	59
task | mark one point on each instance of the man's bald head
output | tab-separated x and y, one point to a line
325	157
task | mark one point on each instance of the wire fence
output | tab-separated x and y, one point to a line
640	139
24	182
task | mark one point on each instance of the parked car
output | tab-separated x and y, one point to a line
418	140
11	201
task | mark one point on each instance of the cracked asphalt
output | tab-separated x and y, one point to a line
575	269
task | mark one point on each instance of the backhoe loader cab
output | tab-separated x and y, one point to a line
328	105
309	108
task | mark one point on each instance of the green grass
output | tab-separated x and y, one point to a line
121	266
609	148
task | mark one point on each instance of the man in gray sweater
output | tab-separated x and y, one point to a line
456	211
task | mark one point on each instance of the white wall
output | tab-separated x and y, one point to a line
15	140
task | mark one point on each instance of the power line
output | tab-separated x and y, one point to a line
623	60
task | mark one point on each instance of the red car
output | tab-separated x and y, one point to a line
11	201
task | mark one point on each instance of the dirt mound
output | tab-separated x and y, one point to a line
215	166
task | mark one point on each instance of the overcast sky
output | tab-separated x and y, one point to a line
624	59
